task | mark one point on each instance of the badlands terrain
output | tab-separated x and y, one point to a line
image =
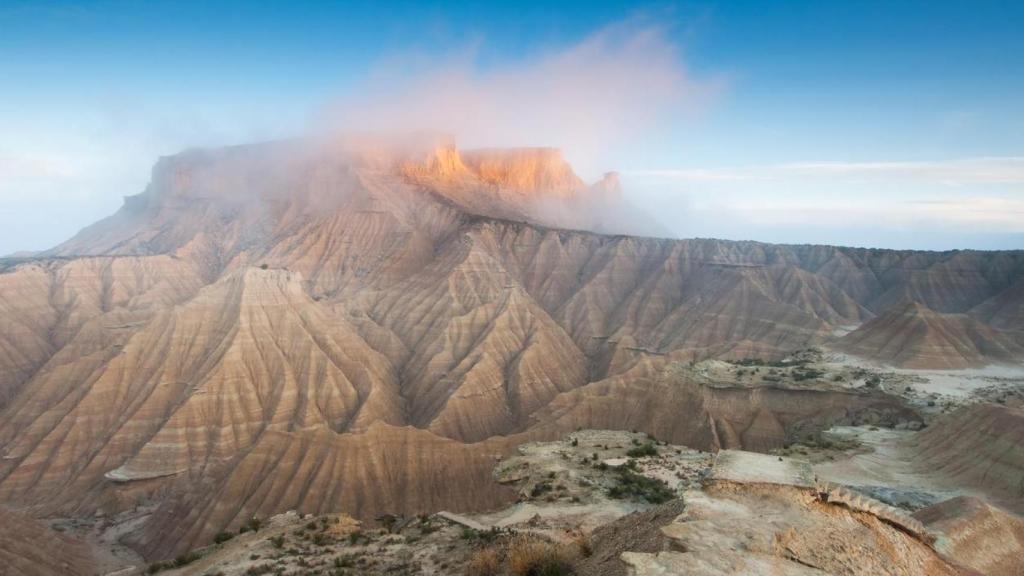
350	336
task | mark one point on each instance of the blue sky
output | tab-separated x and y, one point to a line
892	124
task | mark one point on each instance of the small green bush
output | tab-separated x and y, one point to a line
540	489
642	451
186	559
636	486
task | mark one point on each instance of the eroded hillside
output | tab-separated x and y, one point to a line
365	328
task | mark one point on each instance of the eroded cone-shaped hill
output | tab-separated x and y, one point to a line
913	336
366	324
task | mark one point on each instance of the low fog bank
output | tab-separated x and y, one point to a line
864	207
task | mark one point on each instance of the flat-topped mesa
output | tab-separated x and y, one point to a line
284	169
242	173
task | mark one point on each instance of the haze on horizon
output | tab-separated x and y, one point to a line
894	125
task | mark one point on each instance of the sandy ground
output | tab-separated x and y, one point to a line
103	537
882	469
959	386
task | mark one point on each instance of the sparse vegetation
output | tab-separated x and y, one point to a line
629	484
642	451
807	374
484	562
251	525
786	363
260	569
487	536
223	537
583	545
531	557
540	488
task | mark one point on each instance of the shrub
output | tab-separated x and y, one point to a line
222	537
531	557
186	559
642	451
259	569
484	562
583	546
345	561
540	488
807	374
251	525
277	541
633	485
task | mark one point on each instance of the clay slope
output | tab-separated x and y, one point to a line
53	310
978	535
199	383
30	548
386	469
912	336
977	446
1005	311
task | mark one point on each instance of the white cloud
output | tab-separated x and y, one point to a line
594	99
14	167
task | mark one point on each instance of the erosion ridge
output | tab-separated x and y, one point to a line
244	335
